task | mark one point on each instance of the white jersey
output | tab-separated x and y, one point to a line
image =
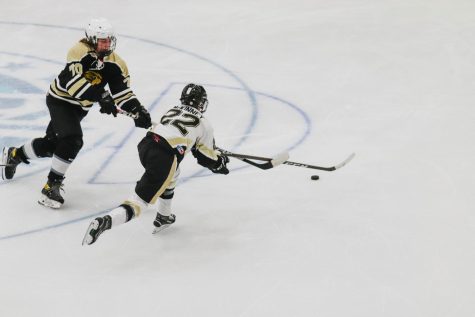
184	128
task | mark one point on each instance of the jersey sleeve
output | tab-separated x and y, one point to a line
119	84
204	150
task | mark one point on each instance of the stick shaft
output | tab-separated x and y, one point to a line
297	164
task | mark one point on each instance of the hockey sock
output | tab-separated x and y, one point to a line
59	166
131	208
28	151
121	214
164	206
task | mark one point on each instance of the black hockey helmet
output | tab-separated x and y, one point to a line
195	96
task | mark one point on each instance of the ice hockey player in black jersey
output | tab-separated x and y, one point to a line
91	65
181	130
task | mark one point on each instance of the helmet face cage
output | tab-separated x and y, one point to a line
195	96
100	29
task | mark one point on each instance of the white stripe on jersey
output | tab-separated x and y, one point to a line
59	86
83	90
72	81
123	92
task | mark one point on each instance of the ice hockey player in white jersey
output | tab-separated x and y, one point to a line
181	130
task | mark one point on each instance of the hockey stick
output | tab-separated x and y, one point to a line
264	166
128	114
269	160
270	164
328	169
134	116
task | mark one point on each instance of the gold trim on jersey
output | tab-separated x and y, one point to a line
174	142
81	49
123	92
120	100
114	58
167	182
58	92
79	94
73	102
120	104
74	89
73	80
207	151
78	51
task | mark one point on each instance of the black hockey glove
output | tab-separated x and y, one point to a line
144	120
143	117
221	165
107	104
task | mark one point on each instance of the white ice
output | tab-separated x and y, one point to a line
390	234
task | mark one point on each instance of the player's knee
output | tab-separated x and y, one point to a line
44	147
73	142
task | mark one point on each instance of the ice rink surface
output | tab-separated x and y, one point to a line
390	234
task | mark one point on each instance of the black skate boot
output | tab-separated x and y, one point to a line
10	160
51	194
162	222
96	228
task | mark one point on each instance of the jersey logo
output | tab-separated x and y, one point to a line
156	138
97	64
93	77
180	150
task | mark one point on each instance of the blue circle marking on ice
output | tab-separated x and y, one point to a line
243	86
249	92
9	84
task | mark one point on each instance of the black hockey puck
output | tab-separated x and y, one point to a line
315	177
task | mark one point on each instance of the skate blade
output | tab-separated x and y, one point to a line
45	201
158	229
4	162
87	237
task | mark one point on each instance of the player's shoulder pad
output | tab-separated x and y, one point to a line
206	124
78	51
116	59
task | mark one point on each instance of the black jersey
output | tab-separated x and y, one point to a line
83	79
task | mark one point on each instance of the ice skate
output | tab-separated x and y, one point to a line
10	161
51	194
162	222
96	228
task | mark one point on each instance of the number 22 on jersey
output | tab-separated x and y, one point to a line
180	120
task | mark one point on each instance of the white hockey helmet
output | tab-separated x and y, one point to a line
100	28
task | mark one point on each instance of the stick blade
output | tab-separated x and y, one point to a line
348	159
